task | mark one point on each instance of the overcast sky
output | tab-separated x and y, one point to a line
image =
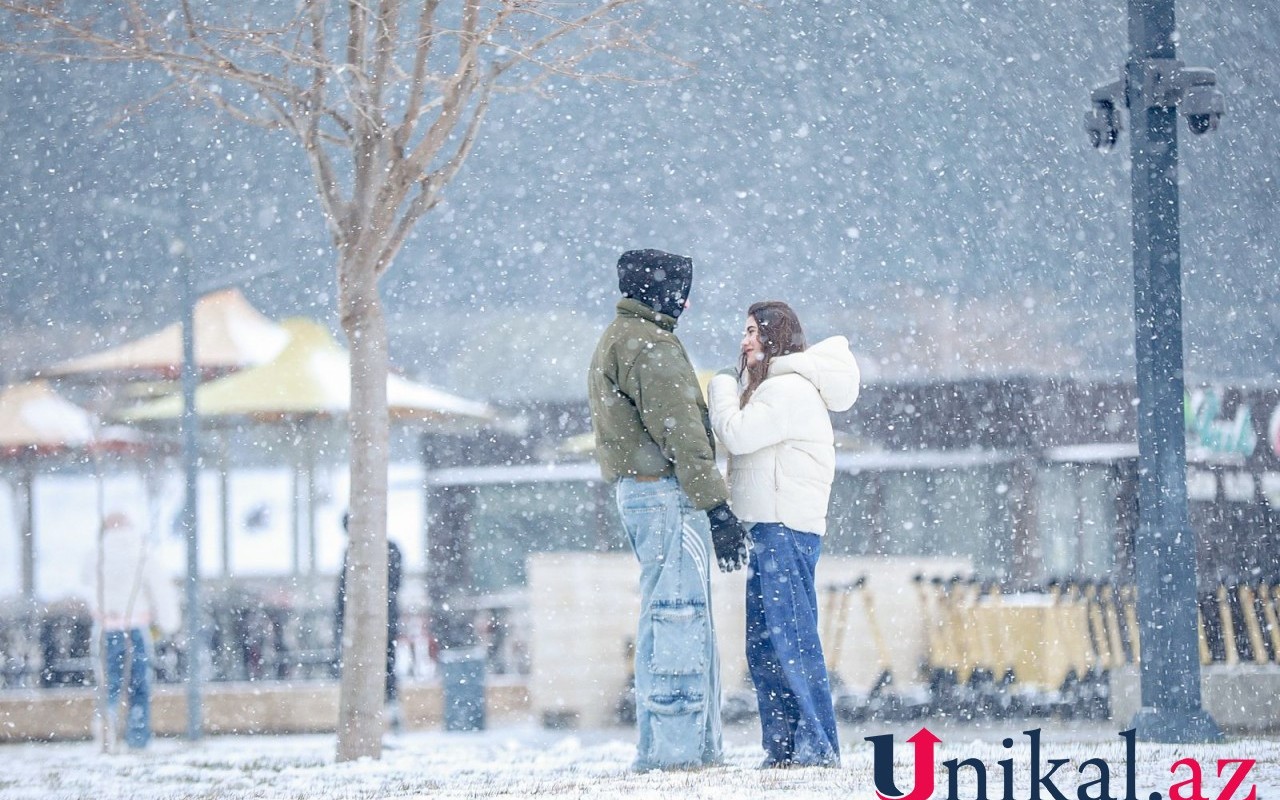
918	180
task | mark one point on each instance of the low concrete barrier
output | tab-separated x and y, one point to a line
228	708
1238	697
584	608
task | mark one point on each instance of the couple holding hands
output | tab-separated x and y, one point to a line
654	441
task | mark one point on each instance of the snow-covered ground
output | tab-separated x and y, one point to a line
529	762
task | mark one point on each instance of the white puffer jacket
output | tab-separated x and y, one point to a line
782	455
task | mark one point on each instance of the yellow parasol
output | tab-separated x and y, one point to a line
311	376
307	382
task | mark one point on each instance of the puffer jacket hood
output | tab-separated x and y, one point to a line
830	366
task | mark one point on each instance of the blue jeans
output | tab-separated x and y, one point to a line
138	724
784	655
677	667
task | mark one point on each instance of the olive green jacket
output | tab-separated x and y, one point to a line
646	407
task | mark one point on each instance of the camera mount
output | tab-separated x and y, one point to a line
1155	83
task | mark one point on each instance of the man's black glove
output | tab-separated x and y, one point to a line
728	537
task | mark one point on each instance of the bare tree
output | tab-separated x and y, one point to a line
385	98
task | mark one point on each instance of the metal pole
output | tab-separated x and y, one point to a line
299	528
224	506
1165	545
309	450
195	656
26	495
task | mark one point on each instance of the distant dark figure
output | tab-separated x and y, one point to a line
394	571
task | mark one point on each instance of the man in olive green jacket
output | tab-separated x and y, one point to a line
654	442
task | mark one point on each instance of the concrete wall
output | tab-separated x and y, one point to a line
1242	698
584	608
59	714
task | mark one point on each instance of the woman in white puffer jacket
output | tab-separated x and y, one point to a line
774	420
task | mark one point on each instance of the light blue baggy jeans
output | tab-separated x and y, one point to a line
131	648
676	664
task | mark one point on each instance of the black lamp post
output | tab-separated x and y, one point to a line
1155	84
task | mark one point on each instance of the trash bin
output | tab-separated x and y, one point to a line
462	676
66	644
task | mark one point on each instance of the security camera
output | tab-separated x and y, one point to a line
1102	130
1202	103
1203	123
1102	122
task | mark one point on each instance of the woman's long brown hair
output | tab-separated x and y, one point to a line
780	334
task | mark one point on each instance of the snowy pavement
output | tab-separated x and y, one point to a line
529	762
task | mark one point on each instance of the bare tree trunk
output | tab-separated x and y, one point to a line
364	633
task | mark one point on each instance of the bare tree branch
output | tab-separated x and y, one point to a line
335	210
431	187
384	51
219	101
135	109
453	95
565	28
311	104
422	43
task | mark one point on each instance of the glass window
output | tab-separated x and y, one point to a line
1056	522
905	516
509	521
958	511
1076	520
971	518
1098	522
949	512
852	515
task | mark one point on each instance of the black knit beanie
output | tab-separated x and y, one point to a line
659	280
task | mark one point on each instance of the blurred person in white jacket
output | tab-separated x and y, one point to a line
130	596
773	418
